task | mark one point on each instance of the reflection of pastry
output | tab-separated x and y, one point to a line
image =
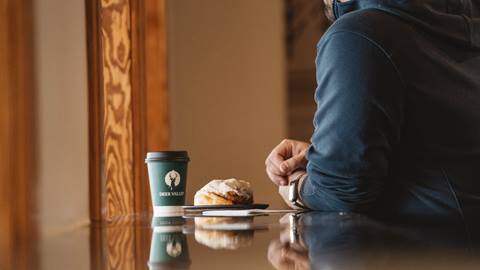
224	223
221	239
224	232
229	191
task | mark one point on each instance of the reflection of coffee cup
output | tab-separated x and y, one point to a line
169	247
167	172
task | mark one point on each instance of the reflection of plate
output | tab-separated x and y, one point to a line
224	223
226	206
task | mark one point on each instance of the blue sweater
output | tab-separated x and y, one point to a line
397	125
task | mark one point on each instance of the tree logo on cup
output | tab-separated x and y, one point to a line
172	178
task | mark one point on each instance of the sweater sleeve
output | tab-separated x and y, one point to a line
357	123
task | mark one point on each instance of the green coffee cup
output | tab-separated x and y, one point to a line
167	173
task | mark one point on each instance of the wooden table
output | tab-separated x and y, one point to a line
310	240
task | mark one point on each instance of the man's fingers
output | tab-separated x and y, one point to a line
274	168
275	158
281	152
274	173
284	159
277	179
293	163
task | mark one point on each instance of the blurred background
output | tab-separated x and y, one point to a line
240	78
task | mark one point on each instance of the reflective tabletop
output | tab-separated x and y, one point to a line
309	240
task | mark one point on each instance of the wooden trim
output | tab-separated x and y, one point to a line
18	229
156	71
95	116
5	140
141	203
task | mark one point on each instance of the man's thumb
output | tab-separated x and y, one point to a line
292	164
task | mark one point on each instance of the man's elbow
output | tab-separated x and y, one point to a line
340	198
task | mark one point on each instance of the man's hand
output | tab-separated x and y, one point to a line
285	159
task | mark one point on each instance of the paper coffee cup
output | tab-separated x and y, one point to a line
167	173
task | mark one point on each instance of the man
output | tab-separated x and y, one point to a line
397	125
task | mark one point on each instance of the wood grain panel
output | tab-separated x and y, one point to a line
17	137
118	140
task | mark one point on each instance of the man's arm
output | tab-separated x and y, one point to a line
357	123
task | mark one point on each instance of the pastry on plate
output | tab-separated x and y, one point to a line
224	192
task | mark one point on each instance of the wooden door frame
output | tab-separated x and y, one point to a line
140	59
116	192
18	173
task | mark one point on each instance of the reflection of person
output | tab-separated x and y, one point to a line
353	241
285	255
397	119
288	253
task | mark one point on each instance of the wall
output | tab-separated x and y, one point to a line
227	88
307	25
63	129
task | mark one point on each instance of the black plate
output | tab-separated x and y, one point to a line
226	206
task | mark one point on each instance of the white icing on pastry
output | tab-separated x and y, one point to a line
222	187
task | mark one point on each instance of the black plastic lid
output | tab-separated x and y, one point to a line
180	156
